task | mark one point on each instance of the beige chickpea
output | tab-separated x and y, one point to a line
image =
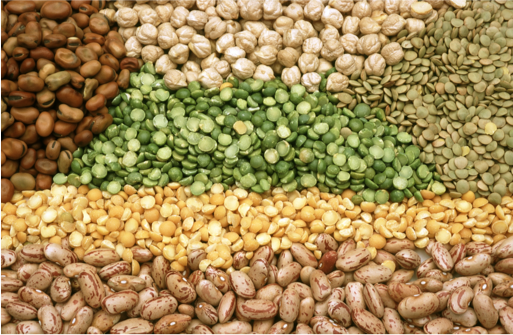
204	4
288	57
253	57
358	62
294	11
378	5
343	6
164	12
392	6
369	26
179	17
246	41
293	38
223	68
277	68
414	25
329	33
383	39
149	15
312	45
179	53
224	42
209	61
392	53
191	67
332	17
313	10
184	3
264	73
233	26
272	38
243	68
393	24
209	78
215	28
349	42
324	66
346	65
306	29
197	19
283	24
126	17
405	7
126	33
375	65
255	27
200	46
436	4
421	10
336	82
232	54
140	6
351	25
167	37
133	47
267	54
272	9
175	79
150	53
291	76
185	34
211	12
227	9
361	9
164	64
332	49
311	81
147	34
379	16
308	62
251	9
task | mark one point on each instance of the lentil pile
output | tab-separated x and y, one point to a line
45	289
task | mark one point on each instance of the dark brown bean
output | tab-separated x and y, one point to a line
8	86
21	99
23	181
41	52
30	83
62	128
45	98
56	10
16	30
100	123
27	17
20	53
90	69
67	29
109	60
99	25
69	114
13	70
67	95
96	47
46	166
106	74
77	81
115	47
87	9
53	149
27	115
130	63
67	143
20	7
44	124
83	138
86	54
109	90
27	66
43	182
30	136
93	38
28	161
7	190
73	43
84	124
9	168
82	20
13	148
123	79
15	130
53	41
67	59
64	161
96	102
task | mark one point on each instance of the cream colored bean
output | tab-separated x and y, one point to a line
114	269
353	260
485	310
101	257
289	305
442	257
21	310
209	292
82	320
180	288
392	321
51	323
120	302
36	298
8	258
473	265
288	274
157	307
144	295
73	270
367	322
242	285
302	255
467	319
460	299
126	282
339	311
373	274
418	306
57	254
354	295
92	288
438	326
373	300
320	285
254	309
71	307
226	307
132	326
408	259
41	280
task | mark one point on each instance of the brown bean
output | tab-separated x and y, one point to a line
115	47
77	81
69	114
94	38
53	41
86	54
21	99
27	65
20	53
68	96
20	7
123	79
99	25
7	190
56	10
9	168
67	59
53	149
41	52
65	28
43	182
100	123
13	70
109	60
129	63
96	102
30	83
15	130
46	166
82	20
109	90
13	148
30	135
90	69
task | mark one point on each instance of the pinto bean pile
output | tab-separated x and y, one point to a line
349	290
61	63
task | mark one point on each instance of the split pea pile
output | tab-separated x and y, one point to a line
171	222
351	289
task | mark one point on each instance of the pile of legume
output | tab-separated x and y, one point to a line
252	134
350	290
172	222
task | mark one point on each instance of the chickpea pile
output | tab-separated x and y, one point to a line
173	223
300	41
350	290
